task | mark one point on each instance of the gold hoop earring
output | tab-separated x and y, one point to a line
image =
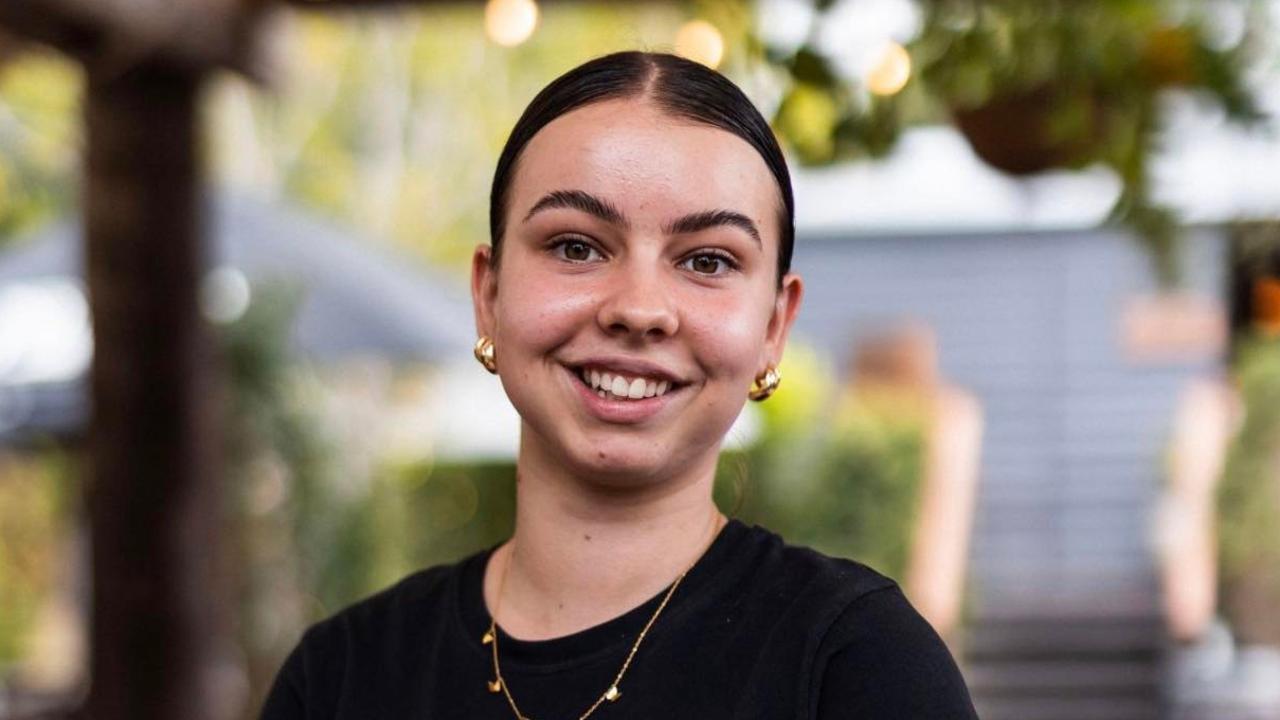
484	354
765	384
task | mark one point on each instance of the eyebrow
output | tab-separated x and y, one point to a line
579	200
606	211
714	218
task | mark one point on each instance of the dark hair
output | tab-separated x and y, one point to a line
679	87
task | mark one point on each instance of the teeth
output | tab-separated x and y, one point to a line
619	386
609	385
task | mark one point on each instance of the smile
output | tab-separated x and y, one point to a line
622	387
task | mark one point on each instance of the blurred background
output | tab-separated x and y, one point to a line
1036	377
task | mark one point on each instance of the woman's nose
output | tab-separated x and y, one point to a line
639	305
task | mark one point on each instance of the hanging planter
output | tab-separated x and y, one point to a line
1037	85
1022	133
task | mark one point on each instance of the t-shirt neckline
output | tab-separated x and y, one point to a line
600	640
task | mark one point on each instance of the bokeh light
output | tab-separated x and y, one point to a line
510	22
701	42
891	72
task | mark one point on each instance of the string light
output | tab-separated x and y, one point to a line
701	42
891	71
510	22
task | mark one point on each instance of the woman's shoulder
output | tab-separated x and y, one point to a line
350	643
882	659
853	604
856	599
865	648
799	572
794	594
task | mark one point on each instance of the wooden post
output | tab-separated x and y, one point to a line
153	496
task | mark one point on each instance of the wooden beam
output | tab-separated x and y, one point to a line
159	583
111	36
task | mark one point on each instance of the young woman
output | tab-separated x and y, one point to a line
635	293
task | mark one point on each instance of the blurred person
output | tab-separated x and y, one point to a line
1209	425
636	291
1207	415
900	364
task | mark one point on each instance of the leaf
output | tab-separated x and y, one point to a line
810	67
806	119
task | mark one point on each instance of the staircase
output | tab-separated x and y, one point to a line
1072	669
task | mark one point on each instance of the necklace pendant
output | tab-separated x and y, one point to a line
488	637
613	693
495	686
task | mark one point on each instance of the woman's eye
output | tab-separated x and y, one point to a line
576	250
709	264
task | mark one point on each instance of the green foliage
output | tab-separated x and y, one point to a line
843	478
457	508
39	140
1249	498
1038	84
865	502
288	523
393	121
311	536
35	514
346	536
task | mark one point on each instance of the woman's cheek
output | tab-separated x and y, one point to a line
541	313
726	336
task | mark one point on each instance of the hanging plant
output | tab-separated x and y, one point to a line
1035	85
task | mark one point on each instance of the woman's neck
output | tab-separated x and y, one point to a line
582	555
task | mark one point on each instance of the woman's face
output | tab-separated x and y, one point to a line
636	295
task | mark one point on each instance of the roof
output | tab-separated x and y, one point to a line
358	298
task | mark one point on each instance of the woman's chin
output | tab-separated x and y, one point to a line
620	469
620	459
628	466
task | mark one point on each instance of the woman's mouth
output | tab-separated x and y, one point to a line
617	386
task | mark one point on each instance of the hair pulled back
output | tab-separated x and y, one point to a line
680	87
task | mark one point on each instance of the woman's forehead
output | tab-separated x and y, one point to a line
646	162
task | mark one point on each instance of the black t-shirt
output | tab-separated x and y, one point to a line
757	629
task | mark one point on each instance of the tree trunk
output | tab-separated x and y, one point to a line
153	497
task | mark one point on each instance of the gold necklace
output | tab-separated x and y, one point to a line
490	638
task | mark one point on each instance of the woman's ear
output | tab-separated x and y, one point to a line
484	288
785	306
